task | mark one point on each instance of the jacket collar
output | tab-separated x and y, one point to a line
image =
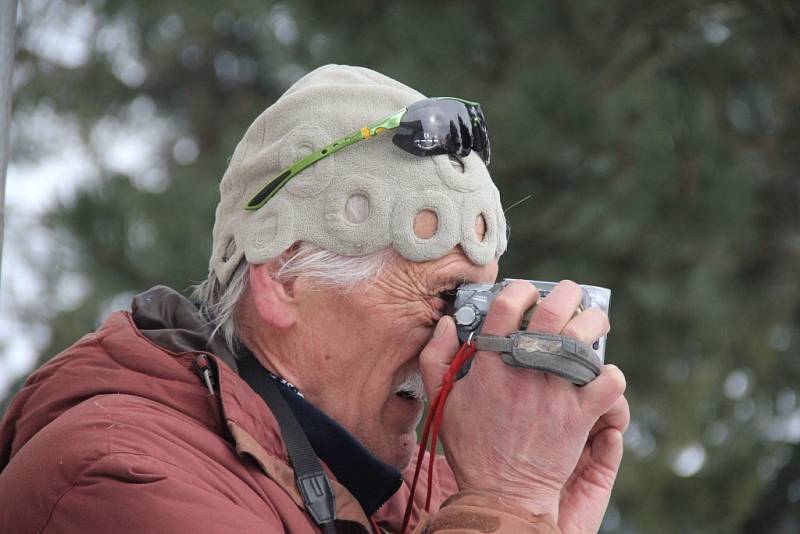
172	321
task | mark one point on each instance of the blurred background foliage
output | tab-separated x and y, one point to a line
659	141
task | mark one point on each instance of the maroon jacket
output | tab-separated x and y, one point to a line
119	434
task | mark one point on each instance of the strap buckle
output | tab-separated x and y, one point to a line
318	496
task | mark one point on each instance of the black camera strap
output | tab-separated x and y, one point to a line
563	356
312	482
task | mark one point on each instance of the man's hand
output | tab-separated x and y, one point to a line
527	436
584	498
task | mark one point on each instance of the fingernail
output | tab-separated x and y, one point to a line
441	327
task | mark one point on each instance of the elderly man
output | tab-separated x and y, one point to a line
285	396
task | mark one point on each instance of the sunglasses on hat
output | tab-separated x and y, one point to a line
430	127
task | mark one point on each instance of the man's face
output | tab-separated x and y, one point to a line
355	352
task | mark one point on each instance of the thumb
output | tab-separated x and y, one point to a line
607	448
435	358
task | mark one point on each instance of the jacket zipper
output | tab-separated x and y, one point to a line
204	370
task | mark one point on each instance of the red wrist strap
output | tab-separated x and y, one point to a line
433	423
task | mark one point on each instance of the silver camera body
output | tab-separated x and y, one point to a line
473	301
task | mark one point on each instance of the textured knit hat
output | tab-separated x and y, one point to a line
323	106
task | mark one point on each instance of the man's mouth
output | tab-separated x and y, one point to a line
411	386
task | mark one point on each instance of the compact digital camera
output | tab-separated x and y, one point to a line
472	302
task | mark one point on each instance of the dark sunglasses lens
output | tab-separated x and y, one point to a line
432	127
482	136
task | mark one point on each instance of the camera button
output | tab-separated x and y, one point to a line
466	315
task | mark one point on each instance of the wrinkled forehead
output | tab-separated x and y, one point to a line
360	200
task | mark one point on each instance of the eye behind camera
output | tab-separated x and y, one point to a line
448	296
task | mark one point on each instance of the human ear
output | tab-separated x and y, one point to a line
274	300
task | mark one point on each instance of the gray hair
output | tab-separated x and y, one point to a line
218	303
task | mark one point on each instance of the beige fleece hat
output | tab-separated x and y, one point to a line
327	104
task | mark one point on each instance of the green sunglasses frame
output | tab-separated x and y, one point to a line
278	182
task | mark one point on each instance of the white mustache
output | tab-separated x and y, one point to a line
412	385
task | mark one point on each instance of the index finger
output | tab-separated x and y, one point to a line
554	312
508	307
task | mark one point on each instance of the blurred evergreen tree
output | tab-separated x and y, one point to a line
658	139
